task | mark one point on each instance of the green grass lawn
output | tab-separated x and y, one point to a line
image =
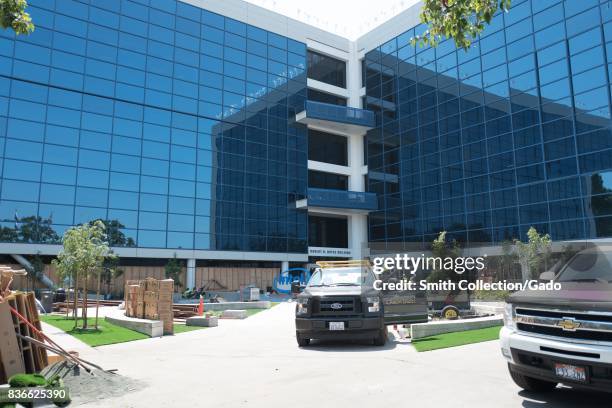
107	333
457	339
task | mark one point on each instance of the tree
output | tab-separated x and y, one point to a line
533	254
173	271
35	229
507	258
30	229
85	247
109	265
8	234
600	202
110	271
116	237
37	268
444	250
461	20
447	252
13	15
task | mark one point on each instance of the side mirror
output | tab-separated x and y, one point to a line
547	276
297	287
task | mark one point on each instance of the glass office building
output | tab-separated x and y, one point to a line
486	143
172	123
222	131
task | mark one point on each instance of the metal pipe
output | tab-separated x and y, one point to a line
60	352
44	336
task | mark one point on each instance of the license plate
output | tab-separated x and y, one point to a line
570	372
336	325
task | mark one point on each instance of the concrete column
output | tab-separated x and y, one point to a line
191	267
284	265
353	77
358	234
357	223
355	162
355	140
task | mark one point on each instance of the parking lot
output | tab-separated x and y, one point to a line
256	363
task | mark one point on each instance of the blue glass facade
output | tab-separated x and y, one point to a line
169	121
511	134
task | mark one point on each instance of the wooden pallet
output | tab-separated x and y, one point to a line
185	307
34	357
11	359
24	330
34	318
61	306
180	314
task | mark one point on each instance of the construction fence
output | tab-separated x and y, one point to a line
213	278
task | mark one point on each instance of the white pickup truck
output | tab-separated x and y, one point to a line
564	336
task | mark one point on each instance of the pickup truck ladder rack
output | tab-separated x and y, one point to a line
344	264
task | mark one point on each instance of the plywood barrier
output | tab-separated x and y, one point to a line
137	273
227	277
235	278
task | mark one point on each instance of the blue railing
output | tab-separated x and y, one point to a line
320	197
337	113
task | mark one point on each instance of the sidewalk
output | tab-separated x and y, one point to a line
70	343
65	340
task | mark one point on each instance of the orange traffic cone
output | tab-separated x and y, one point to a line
201	307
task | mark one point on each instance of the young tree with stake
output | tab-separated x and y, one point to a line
85	249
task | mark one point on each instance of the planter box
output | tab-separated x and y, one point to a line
420	330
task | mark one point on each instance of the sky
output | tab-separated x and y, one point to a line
348	18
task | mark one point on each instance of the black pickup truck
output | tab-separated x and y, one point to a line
340	302
563	336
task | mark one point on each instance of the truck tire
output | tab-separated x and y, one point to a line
530	383
450	313
302	341
381	339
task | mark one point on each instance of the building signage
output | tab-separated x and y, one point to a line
331	252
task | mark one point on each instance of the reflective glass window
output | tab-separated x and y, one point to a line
326	69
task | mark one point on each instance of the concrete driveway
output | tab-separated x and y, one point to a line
256	363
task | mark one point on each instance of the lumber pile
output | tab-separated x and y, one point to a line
61	306
134	300
16	354
184	311
151	299
7	275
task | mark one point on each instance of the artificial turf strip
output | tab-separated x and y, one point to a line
107	333
456	339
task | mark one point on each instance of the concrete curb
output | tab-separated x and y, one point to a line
261	304
488	307
420	330
152	328
234	314
202	321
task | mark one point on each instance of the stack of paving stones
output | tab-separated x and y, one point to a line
151	299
